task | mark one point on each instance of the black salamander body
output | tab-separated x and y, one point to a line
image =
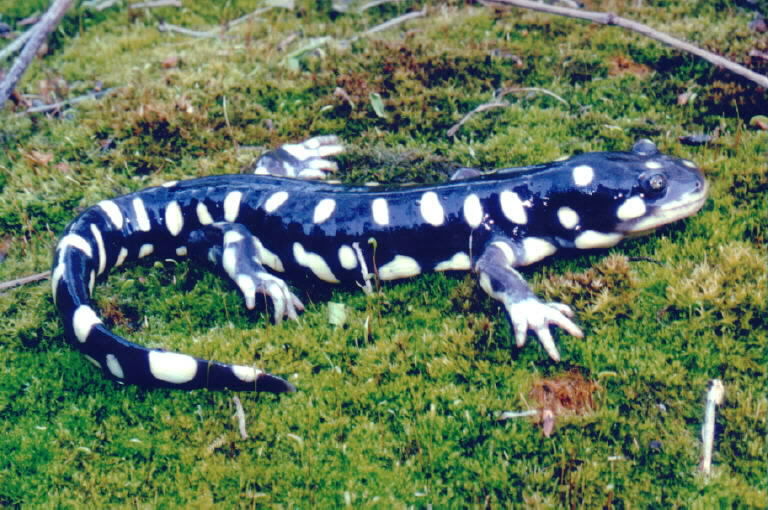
257	229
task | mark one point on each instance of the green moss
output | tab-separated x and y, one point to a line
397	407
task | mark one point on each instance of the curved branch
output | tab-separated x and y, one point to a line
612	19
41	30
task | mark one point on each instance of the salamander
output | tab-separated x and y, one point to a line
284	221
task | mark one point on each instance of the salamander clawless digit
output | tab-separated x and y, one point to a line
280	221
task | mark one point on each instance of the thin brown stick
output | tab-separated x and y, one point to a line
385	26
395	21
99	6
68	102
16	44
240	414
24	280
167	27
612	19
499	102
483	107
509	90
156	3
41	30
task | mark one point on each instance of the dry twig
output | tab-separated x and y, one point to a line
216	32
396	21
714	398
384	26
375	3
99	6
24	280
40	31
16	44
68	102
240	414
612	19
156	3
500	102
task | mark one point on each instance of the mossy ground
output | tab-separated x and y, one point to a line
398	407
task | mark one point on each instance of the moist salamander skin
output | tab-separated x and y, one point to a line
284	223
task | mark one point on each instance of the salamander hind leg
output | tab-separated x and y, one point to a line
233	249
305	160
525	311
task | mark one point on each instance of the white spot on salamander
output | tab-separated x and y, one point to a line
182	251
653	165
75	241
632	208
512	207
399	267
473	210
113	213
232	205
507	250
431	209
459	262
380	211
146	249
100	247
314	263
568	217
142	220
91	282
58	273
583	175
323	210
267	257
203	215
347	257
246	374
593	239
172	367
688	163
121	256
174	220
275	201
83	321
114	366
536	249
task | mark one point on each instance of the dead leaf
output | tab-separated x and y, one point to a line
39	158
63	167
170	62
622	64
567	394
685	98
760	122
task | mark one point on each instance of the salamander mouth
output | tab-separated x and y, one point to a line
687	205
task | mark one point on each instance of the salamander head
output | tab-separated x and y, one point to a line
600	198
669	188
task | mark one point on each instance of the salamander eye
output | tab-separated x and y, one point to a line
654	184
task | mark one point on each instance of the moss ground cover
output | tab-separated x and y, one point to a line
397	407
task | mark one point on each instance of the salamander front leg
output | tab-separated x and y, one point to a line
232	248
305	160
525	311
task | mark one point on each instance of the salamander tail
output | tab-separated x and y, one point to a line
79	258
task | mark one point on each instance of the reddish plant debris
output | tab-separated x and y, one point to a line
568	394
